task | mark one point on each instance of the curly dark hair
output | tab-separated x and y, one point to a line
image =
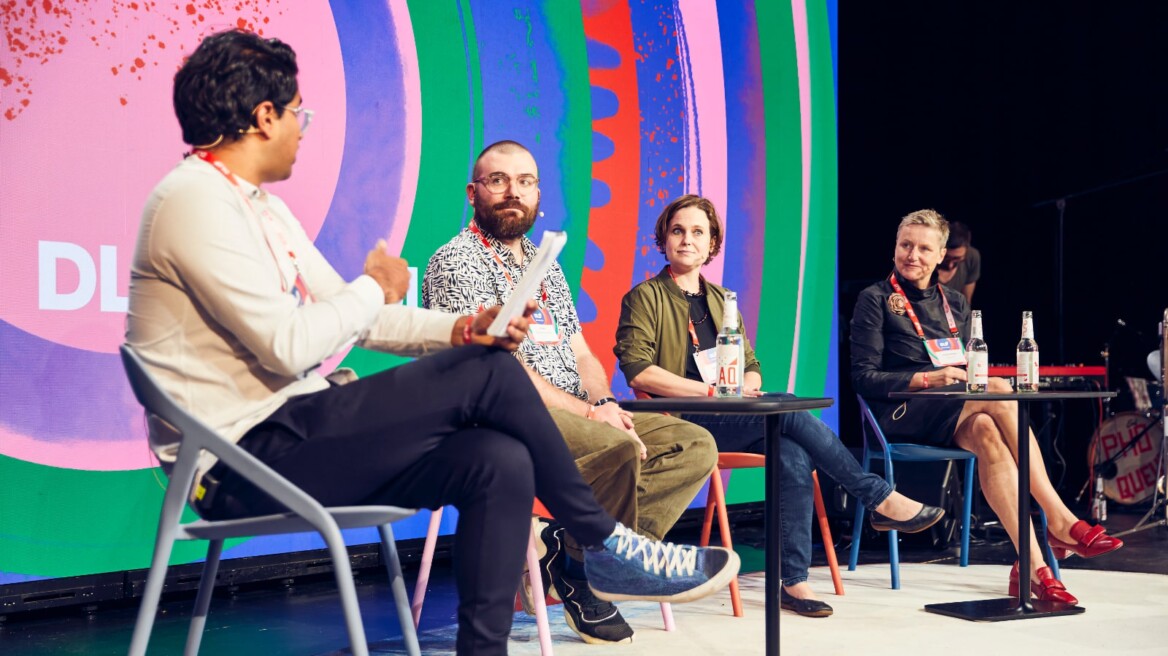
222	82
680	203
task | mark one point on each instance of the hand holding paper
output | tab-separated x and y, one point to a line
549	248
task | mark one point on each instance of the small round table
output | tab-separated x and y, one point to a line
1009	608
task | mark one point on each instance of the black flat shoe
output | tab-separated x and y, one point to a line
804	607
928	516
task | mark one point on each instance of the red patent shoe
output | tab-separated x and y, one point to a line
1090	541
1046	588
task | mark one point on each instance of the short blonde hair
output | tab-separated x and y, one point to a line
930	218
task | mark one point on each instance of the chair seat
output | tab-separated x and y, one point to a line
925	453
345	516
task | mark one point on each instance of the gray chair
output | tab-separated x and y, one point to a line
172	429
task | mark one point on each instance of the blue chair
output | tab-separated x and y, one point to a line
905	452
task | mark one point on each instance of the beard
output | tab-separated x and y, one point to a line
500	222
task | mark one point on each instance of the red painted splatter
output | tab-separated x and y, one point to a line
123	101
37	31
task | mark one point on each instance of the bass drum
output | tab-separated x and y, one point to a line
1136	468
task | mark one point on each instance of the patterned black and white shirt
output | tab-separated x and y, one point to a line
465	276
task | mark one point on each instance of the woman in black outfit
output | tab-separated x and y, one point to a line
895	323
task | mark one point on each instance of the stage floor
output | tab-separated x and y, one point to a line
1125	594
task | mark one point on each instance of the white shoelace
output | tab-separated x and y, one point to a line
655	556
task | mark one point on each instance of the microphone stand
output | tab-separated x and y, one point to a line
1060	204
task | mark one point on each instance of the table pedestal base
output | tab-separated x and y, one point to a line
1000	610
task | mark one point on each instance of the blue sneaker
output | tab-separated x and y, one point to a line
633	567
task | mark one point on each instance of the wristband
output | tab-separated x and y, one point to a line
925	379
710	391
607	399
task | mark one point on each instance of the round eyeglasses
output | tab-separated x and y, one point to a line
497	183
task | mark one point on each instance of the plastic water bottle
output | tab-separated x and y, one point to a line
729	352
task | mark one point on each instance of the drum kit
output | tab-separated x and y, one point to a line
1129	452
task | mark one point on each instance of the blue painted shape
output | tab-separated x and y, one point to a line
369	186
604	103
523	94
601	55
602	147
593	256
585	307
601	194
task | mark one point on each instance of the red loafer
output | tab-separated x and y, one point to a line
1090	541
1046	588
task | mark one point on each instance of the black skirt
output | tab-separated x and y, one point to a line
931	421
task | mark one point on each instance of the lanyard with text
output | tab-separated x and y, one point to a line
300	285
543	327
943	352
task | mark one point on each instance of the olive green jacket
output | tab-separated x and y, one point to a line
653	327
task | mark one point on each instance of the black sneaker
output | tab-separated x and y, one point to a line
598	622
549	545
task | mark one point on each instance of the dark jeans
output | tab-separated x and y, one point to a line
805	444
465	428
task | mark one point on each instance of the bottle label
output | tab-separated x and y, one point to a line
1027	371
979	370
729	376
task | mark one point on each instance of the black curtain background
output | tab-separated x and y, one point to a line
983	111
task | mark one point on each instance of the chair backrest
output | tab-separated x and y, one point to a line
194	437
868	421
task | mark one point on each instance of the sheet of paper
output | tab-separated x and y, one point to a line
549	249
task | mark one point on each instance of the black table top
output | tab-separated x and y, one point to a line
712	405
1045	395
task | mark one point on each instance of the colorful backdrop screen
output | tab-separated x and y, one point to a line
625	105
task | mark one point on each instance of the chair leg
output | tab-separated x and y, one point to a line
538	595
424	565
719	494
893	536
858	525
711	503
203	599
967	509
667	616
346	588
397	583
825	532
163	546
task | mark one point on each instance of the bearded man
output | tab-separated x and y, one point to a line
644	468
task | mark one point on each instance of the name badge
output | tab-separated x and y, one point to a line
707	362
543	329
946	352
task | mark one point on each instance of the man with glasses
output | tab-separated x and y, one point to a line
233	309
644	468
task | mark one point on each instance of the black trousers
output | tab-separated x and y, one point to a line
464	428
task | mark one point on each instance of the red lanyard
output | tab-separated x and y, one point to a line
913	315
265	218
474	227
693	333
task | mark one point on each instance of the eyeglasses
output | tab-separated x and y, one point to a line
303	114
497	183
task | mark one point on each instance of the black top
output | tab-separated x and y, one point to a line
886	352
705	326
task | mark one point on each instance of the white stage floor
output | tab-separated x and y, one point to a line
1126	614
